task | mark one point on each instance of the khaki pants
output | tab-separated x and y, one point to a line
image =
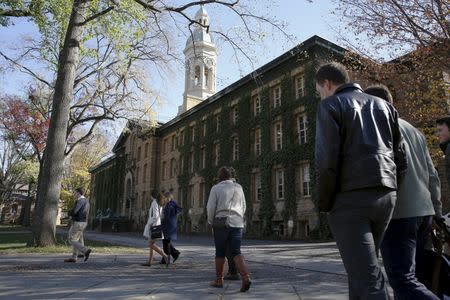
75	233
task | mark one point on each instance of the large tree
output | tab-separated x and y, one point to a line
124	23
412	40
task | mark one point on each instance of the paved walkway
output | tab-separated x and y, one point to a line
280	270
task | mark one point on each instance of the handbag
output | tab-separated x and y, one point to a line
222	222
156	232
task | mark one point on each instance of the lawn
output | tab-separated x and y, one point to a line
16	239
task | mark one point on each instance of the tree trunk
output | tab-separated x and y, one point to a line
44	221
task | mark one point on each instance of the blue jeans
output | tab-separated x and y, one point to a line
403	238
227	237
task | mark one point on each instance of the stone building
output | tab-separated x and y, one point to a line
262	125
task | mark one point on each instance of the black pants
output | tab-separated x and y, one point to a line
168	248
358	221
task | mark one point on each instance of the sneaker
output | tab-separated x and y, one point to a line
80	256
70	260
163	261
86	254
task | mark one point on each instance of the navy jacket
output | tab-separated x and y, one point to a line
169	221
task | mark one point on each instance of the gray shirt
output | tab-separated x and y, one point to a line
227	199
420	191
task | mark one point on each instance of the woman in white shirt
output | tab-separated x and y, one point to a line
154	219
226	202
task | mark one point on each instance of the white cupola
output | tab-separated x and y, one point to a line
200	63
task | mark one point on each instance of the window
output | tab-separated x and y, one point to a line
139	153
197	76
206	77
302	127
203	128
144	175
173	144
181	137
173	168
279	179
202	157
137	175
257	148
201	194
216	122
235	148
299	86
278	136
257	192
256	101
146	150
192	130
164	174
165	148
180	162
191	162
276	96
306	181
191	196
234	114
216	153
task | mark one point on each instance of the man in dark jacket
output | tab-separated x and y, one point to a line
79	216
169	227
359	155
443	133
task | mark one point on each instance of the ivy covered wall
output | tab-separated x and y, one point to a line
109	185
288	158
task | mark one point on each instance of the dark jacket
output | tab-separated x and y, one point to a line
446	149
169	221
358	144
81	210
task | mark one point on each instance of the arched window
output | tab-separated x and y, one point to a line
197	76
207	77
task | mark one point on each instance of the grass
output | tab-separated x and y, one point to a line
16	239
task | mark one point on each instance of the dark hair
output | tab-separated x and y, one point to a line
224	173
154	194
380	91
334	72
80	191
444	121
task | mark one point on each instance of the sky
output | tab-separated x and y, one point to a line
303	20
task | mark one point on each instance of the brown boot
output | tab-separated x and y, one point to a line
218	282
245	275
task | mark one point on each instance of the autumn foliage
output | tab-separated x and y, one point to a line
24	124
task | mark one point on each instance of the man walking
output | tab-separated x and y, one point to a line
359	155
418	199
79	216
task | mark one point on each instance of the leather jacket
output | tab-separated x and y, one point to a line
358	144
